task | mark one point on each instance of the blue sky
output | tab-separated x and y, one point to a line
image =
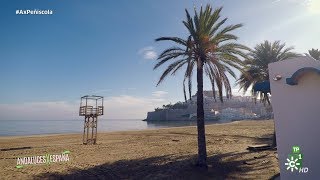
107	48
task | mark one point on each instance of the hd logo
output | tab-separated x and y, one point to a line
294	161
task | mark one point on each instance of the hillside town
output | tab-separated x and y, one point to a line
234	108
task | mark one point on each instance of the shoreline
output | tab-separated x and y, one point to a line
163	153
147	129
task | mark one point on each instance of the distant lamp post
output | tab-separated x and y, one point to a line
90	107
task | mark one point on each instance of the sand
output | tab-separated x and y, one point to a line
168	153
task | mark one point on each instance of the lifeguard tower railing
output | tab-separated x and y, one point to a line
91	111
92	108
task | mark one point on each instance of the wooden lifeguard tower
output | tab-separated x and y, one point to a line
90	107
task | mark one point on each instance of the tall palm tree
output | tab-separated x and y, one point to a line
315	53
256	67
210	48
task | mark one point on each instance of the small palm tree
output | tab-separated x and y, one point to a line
211	49
256	67
315	53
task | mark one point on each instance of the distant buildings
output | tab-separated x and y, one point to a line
236	108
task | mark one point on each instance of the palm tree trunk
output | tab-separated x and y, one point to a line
274	139
202	151
184	92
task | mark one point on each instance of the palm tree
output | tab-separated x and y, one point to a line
209	48
315	53
256	66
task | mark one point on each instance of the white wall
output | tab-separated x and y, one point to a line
297	115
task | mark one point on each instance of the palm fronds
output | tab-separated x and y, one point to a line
256	65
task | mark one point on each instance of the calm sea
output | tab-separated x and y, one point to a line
35	127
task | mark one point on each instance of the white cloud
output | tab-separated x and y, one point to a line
148	53
116	107
159	93
130	107
313	6
55	110
148	48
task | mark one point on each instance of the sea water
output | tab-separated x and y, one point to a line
36	127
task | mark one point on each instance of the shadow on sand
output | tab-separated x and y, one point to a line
16	148
233	165
168	167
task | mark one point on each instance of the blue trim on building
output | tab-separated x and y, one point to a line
262	86
293	80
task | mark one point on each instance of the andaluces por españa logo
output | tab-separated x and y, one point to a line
43	159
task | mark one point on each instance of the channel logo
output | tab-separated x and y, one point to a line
294	161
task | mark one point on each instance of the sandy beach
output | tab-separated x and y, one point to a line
148	154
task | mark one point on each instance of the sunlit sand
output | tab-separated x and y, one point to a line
161	153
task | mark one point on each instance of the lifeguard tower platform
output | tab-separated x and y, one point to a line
90	107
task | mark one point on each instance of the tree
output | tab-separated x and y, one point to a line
315	53
256	66
209	48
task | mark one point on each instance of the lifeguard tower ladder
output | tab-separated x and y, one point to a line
90	107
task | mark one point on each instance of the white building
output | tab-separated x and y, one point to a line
238	107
